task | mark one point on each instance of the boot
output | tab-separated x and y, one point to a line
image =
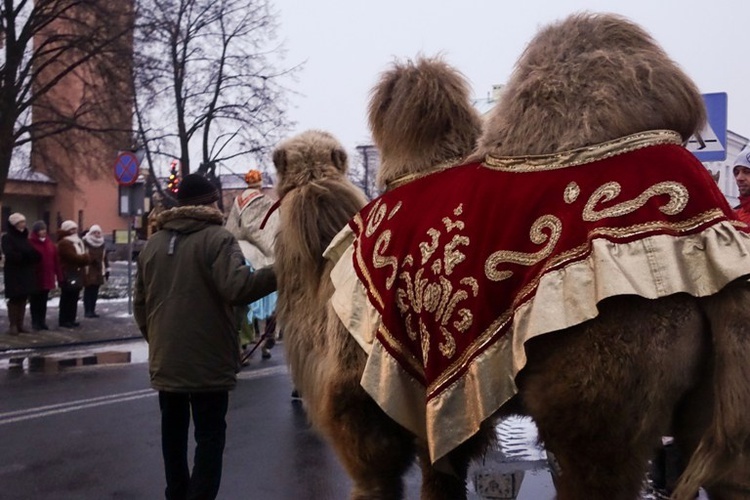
20	314
12	319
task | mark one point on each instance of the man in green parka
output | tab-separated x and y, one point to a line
191	274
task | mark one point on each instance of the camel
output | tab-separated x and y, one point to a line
612	311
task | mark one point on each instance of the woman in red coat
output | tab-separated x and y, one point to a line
47	271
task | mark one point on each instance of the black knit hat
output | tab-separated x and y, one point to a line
194	189
38	226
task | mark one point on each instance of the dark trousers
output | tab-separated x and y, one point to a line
90	295
68	305
209	411
38	308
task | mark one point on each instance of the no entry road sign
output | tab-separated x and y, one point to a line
126	168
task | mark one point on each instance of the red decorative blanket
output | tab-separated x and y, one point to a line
447	259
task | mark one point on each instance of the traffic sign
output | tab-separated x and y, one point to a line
710	144
126	168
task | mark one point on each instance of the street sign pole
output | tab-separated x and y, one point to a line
126	174
130	260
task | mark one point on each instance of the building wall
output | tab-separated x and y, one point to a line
80	162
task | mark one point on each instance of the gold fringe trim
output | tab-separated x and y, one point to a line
581	156
405	179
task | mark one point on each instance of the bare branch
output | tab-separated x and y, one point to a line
219	80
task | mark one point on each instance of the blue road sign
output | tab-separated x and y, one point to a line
126	168
711	143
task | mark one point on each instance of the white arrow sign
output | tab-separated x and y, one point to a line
706	141
710	144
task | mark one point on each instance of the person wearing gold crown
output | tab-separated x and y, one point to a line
251	210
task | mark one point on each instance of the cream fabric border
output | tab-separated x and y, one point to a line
349	298
699	264
656	266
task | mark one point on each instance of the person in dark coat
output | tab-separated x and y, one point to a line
191	275
47	271
20	278
73	258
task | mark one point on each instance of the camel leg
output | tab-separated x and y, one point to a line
696	411
602	393
375	451
437	485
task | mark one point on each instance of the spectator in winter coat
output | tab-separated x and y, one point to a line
20	280
96	272
190	275
47	271
73	258
741	172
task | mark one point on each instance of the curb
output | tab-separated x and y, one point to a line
58	362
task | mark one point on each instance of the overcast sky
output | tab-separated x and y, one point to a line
345	44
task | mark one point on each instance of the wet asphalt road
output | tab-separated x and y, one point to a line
93	433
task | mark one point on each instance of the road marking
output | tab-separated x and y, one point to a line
263	372
82	404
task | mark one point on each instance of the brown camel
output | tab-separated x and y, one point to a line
459	296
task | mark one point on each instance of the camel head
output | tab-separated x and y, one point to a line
421	116
309	156
588	79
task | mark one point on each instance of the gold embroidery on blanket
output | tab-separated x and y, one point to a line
394	210
571	193
582	156
454	257
561	260
431	299
425	342
447	348
437	266
379	260
550	222
426	290
428	249
459	224
678	200
375	218
360	258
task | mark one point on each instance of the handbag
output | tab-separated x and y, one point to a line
72	279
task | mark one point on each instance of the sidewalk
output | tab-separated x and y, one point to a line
114	324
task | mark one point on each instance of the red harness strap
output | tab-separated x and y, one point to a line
274	207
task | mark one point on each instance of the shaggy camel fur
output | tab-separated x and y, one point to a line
601	392
317	201
584	81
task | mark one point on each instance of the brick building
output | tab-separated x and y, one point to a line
70	175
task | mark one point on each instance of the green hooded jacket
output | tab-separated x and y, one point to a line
191	274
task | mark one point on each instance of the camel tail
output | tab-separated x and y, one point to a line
727	437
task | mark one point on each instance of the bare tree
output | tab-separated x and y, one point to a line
363	169
206	80
63	79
